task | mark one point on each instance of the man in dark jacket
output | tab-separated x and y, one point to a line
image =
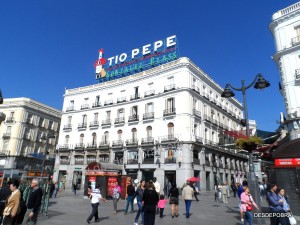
130	194
34	203
4	193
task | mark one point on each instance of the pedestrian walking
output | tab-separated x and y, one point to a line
75	186
224	193
227	190
285	205
116	195
187	195
161	205
247	204
4	193
216	193
52	188
130	194
275	205
240	191
56	189
196	190
150	199
12	204
21	211
95	200
234	189
139	197
174	201
157	188
33	204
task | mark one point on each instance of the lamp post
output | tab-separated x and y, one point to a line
259	83
45	138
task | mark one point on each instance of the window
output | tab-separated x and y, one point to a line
11	114
84	119
134	110
134	133
94	136
149	107
69	119
171	80
71	104
150	86
97	101
5	146
96	117
171	130
170	103
195	130
123	93
136	91
120	113
106	137
194	104
120	132
8	130
67	139
107	115
81	139
50	126
149	132
30	118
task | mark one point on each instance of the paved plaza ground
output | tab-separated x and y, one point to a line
68	209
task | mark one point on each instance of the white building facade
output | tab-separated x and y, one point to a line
166	122
285	27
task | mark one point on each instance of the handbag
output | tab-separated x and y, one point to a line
249	208
292	220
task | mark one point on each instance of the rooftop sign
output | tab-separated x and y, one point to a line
137	60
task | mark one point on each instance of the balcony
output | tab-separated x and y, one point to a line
82	126
207	118
149	93
64	162
6	135
169	88
63	147
226	166
10	120
197	113
91	145
131	142
94	124
109	102
171	160
148	161
196	161
135	96
104	144
199	139
79	161
132	161
96	105
207	163
106	122
120	120
84	106
295	41
168	138
133	118
67	127
169	112
90	160
148	140
196	89
70	108
214	121
297	75
121	99
117	143
148	116
79	146
211	143
104	159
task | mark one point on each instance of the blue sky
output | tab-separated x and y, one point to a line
47	46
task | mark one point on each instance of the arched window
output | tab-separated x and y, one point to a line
120	132
106	137
67	138
134	133
149	132
170	130
94	136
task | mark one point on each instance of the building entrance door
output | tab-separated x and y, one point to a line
147	175
208	181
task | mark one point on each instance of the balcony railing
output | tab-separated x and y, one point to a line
65	146
149	93
197	113
84	106
64	162
6	135
169	87
211	143
168	112
132	161
82	125
295	41
148	161
148	116
297	74
195	88
168	138
94	124
96	104
199	139
104	159
148	140
91	145
207	118
121	99
132	142
109	102
10	119
221	165
79	162
70	108
67	127
104	144
120	120
117	143
135	96
79	145
133	118
171	160
106	122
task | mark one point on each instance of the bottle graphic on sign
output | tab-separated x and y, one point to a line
100	71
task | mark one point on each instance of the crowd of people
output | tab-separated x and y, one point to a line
14	210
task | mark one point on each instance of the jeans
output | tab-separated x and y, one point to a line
139	212
115	201
279	220
248	218
161	212
187	207
129	201
94	212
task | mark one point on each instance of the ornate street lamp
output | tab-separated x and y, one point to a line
259	83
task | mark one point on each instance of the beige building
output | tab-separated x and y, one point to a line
26	132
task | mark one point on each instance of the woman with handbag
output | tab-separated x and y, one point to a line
12	204
247	204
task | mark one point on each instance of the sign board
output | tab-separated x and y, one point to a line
137	60
287	162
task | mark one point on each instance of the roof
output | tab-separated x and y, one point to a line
290	149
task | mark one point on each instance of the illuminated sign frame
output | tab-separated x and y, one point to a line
287	162
139	59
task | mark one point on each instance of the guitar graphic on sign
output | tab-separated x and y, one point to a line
99	63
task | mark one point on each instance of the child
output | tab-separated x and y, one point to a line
161	205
